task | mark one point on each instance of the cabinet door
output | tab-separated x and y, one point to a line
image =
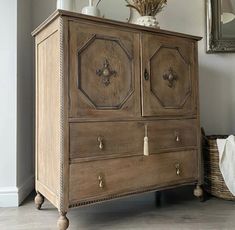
169	81
104	72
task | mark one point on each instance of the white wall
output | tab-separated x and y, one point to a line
8	84
16	99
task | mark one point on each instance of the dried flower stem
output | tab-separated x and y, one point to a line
98	3
147	7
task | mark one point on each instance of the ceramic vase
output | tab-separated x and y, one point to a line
66	5
149	21
91	9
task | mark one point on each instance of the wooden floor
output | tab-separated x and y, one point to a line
179	210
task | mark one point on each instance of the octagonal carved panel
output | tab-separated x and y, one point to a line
170	77
105	72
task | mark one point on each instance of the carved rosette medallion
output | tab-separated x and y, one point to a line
106	73
171	77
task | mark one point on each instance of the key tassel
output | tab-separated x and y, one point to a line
146	144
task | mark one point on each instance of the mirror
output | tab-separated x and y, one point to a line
220	26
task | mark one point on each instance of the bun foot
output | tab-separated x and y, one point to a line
39	200
63	222
198	192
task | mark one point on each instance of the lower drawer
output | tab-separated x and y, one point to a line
107	178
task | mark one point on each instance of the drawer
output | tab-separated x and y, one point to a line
126	138
114	177
167	135
105	138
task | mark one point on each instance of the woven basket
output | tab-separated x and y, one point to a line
213	179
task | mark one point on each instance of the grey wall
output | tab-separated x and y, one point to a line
25	99
41	10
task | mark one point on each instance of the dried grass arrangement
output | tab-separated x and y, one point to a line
147	7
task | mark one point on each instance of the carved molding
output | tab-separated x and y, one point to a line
116	196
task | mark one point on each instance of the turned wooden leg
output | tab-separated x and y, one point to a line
63	222
198	192
39	200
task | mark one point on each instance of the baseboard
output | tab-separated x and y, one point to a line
14	196
9	197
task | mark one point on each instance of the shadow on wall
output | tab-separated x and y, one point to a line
217	99
41	10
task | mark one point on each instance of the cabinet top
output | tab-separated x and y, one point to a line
138	28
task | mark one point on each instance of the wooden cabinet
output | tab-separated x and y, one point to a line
102	87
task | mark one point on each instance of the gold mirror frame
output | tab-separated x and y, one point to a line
215	40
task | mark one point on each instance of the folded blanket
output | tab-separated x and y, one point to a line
226	149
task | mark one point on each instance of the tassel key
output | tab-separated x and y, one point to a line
146	144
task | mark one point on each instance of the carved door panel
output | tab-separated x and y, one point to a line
104	72
168	76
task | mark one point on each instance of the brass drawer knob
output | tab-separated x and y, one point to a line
177	169
100	142
101	181
177	136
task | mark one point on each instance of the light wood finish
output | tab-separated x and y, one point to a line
101	87
48	105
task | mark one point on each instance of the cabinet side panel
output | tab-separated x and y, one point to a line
48	116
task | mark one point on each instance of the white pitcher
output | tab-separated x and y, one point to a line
91	9
66	5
